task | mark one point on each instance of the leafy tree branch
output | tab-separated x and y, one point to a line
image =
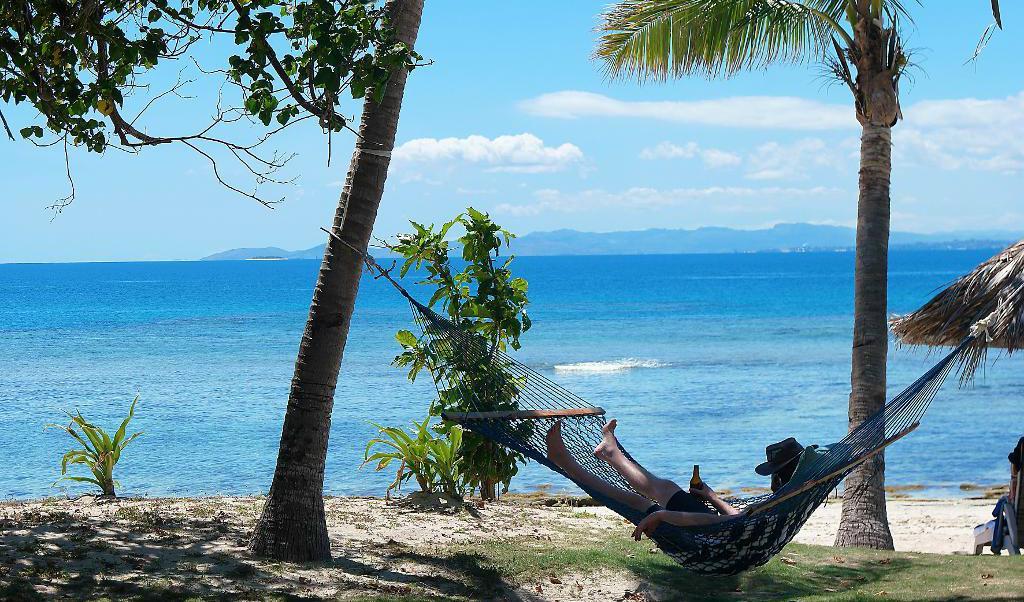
77	64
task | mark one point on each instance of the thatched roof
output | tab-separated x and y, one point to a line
994	291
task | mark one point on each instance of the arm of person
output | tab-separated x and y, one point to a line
708	494
682	519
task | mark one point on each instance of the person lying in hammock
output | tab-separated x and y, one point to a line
673	505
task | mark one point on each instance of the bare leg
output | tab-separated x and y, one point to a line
558	454
643	481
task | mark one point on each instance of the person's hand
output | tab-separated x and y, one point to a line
705	492
648	524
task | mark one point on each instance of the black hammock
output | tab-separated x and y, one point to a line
516	406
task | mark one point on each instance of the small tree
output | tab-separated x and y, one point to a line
486	301
98	451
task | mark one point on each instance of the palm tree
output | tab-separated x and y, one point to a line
859	42
293	526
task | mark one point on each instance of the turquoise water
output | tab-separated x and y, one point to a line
703	358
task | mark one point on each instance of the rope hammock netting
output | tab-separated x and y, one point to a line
515	406
745	541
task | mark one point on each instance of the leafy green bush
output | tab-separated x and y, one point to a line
431	457
99	452
485	300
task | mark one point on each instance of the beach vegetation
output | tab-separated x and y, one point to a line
475	288
430	455
90	73
97	450
860	44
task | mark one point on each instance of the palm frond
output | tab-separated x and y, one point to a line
671	38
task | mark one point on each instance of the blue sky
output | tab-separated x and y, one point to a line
514	118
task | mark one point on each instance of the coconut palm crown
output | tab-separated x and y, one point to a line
858	40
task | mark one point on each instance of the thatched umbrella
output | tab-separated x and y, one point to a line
988	302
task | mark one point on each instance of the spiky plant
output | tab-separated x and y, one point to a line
99	452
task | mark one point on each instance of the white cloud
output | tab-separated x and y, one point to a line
548	201
967	133
521	153
775	112
769	161
667	150
712	157
779	161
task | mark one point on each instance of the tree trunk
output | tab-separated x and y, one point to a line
292	526
864	519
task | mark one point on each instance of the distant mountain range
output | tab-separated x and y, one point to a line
779	238
316	252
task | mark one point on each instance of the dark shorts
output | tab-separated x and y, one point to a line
682	501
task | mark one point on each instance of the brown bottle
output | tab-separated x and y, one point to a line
695	482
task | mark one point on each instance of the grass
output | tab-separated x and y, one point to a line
801	572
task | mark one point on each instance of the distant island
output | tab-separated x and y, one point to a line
781	238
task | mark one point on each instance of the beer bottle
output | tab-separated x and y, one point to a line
695	481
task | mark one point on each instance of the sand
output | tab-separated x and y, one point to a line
933	526
88	547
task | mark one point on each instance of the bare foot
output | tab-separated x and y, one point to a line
609	444
556	445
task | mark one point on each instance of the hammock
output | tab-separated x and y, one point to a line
516	406
737	544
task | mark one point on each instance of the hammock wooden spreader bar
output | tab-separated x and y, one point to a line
522	414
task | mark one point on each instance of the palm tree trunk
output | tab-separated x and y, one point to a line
864	519
292	526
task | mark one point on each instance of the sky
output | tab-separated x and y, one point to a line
513	117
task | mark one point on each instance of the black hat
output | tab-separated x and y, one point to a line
779	456
1016	457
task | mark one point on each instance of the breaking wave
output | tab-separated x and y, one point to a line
620	365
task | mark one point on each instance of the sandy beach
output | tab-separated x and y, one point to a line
931	526
82	547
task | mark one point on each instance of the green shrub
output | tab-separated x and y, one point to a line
486	301
431	457
99	452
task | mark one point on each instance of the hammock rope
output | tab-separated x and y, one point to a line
515	406
736	544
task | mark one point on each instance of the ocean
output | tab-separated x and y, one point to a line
704	359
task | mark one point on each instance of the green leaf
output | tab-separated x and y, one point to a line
406	338
82	480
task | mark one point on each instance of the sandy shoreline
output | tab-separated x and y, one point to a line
932	526
86	547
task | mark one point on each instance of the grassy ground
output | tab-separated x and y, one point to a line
194	550
800	573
